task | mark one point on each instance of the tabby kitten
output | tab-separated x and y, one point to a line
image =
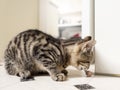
33	51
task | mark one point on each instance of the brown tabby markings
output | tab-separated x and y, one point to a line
33	51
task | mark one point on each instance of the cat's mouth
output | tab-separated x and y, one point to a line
82	68
84	65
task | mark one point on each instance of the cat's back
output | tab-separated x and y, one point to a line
23	44
30	36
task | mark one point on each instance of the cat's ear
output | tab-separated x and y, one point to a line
87	38
87	46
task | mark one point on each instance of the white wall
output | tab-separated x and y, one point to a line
16	16
48	17
68	6
107	34
87	18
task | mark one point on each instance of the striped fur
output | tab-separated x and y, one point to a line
33	51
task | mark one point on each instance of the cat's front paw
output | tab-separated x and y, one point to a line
89	73
65	72
59	77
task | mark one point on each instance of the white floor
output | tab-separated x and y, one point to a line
8	82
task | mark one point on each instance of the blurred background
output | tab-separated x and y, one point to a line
59	18
16	16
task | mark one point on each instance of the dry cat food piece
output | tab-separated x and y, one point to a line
89	73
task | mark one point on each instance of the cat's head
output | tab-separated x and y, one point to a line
82	53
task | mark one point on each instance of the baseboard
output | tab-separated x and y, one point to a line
107	74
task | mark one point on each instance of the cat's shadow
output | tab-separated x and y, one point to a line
71	74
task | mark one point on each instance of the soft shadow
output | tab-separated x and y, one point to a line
40	74
71	74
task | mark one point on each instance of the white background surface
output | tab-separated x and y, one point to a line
86	18
8	82
107	35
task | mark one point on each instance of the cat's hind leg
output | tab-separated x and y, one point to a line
25	75
10	68
13	69
25	72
